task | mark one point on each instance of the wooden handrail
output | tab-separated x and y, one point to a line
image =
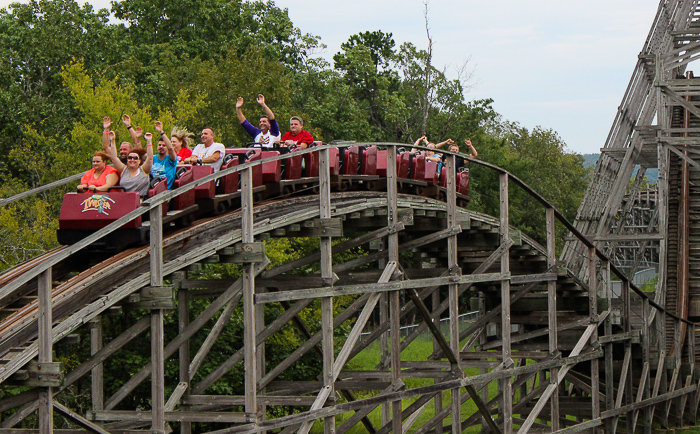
38	190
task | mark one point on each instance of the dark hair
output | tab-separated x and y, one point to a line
141	153
265	116
213	133
297	118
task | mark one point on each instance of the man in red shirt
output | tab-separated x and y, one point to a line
297	136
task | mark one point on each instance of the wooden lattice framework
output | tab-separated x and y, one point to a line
559	355
563	353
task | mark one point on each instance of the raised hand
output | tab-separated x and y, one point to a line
106	123
127	120
139	132
149	136
239	102
450	142
159	126
112	136
261	99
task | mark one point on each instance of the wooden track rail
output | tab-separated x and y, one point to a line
547	350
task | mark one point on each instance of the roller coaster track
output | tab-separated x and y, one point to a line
564	354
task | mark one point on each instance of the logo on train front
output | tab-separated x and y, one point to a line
97	202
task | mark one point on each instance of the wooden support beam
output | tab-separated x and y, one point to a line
378	287
79	420
552	314
248	290
172	416
183	315
272	328
45	349
173	345
338	248
157	317
453	299
96	385
505	384
413	393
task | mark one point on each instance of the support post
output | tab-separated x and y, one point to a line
608	361
552	314
97	389
394	296
593	311
506	385
157	333
183	313
384	301
249	333
453	289
627	327
324	186
45	350
646	357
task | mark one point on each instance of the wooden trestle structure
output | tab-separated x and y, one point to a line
553	348
560	354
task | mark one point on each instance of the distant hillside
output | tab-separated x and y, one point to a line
590	160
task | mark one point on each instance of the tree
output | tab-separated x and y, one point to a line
540	158
366	63
36	40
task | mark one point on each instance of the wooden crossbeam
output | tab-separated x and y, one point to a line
186	334
78	419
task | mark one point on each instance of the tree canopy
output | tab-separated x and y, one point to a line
64	66
185	62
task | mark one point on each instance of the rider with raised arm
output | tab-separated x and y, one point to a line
134	174
165	162
429	155
269	131
124	147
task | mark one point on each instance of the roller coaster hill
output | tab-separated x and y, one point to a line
563	343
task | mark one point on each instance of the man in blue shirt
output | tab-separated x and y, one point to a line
165	161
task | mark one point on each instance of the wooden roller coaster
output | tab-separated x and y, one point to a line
565	344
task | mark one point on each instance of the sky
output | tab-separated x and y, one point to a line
550	63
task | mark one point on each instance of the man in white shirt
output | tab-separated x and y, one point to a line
208	152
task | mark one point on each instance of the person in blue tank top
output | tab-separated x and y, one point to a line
165	161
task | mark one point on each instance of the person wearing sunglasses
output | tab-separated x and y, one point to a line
134	175
101	177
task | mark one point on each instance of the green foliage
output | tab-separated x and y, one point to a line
541	160
184	62
36	40
26	230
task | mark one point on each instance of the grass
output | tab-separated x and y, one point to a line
418	350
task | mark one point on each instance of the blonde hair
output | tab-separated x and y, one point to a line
184	136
